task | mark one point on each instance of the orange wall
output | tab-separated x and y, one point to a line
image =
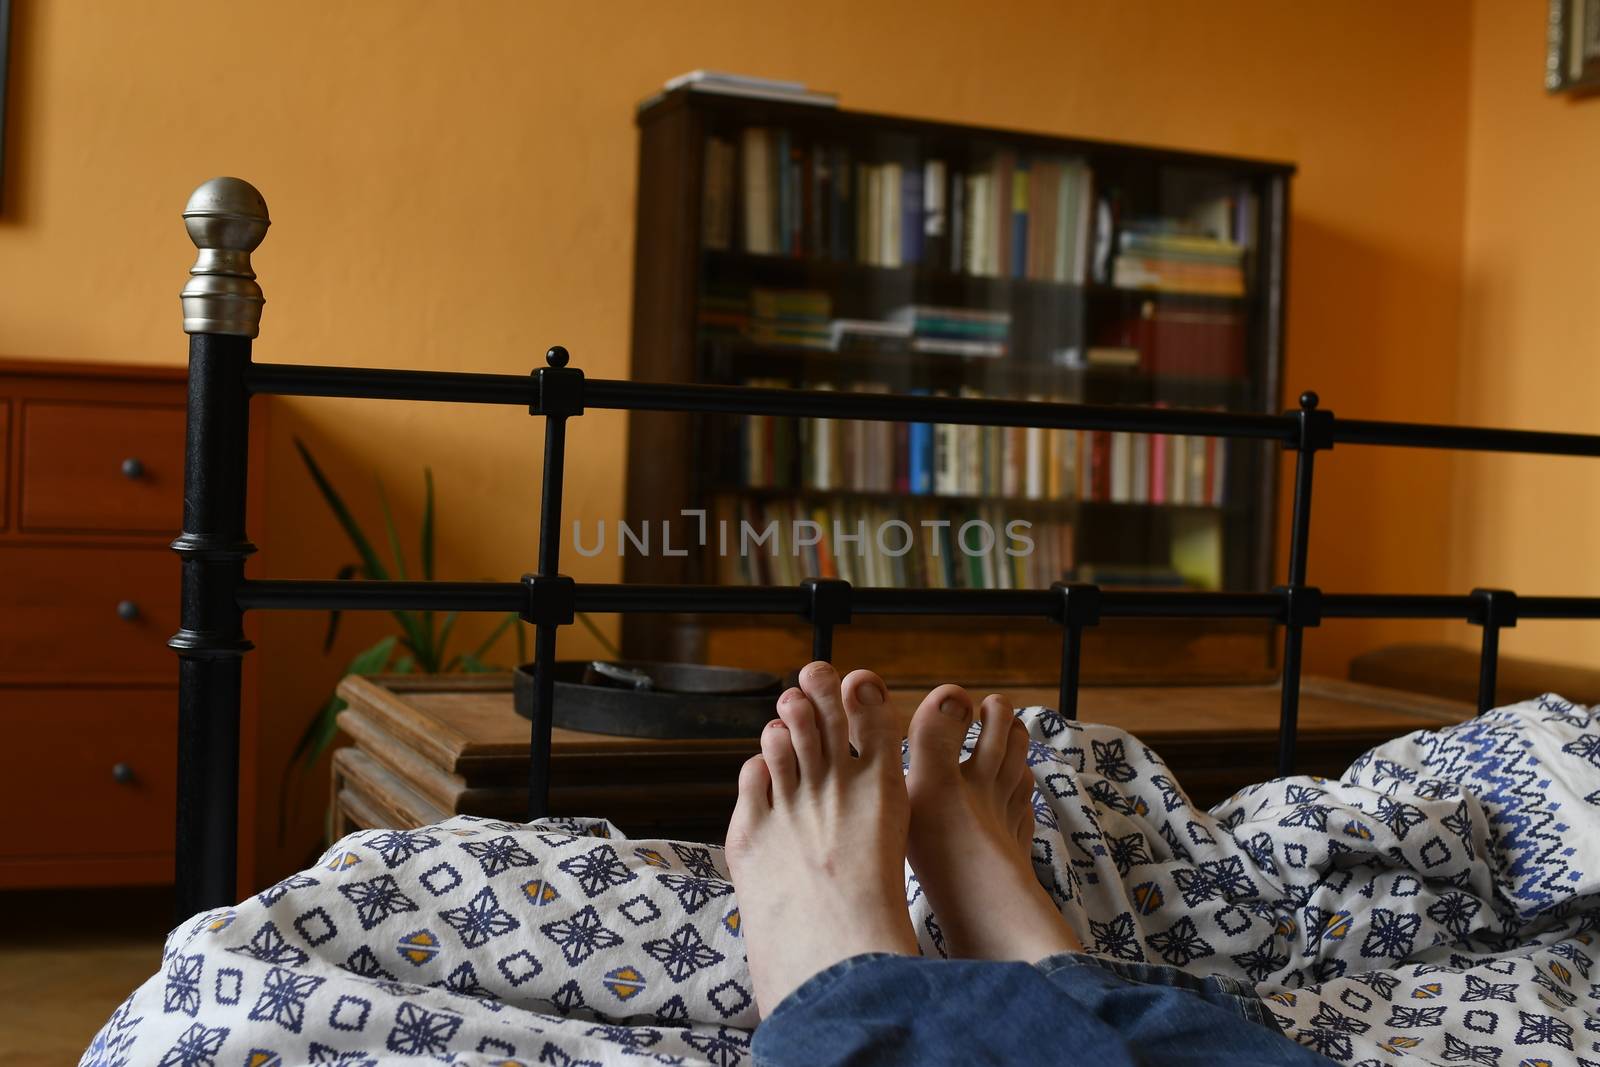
452	185
1531	331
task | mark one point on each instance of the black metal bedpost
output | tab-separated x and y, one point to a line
1492	609
827	604
226	219
1079	606
1302	604
551	595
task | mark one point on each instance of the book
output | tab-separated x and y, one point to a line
726	84
1019	220
911	211
935	215
755	153
959	224
717	199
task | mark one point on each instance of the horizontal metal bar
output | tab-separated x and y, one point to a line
1178	604
604	597
715	599
382	596
1395	606
1463	438
1558	607
1391	606
285	379
523	391
830	404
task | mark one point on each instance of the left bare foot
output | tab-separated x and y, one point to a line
817	842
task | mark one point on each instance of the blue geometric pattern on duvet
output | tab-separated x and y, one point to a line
1436	905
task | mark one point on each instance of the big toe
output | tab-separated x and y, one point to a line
938	727
875	726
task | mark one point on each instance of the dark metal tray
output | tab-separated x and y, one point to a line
689	700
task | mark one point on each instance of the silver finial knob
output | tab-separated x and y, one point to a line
226	219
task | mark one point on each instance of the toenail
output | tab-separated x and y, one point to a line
776	724
954	707
870	694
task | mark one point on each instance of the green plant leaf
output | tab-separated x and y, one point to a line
445	629
427	524
348	571
369	559
403	665
322	729
370	563
389	528
471	664
599	635
432	664
329	712
488	642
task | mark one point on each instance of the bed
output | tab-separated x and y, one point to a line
1434	904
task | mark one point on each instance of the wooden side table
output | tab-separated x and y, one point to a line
429	748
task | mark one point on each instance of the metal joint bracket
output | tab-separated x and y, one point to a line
1078	603
1315	426
1302	605
560	387
552	599
1494	607
827	600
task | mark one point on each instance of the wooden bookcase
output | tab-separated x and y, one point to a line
1055	268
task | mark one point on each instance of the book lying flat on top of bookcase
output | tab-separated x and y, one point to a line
745	85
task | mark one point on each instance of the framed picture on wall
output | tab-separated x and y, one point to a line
1572	54
5	56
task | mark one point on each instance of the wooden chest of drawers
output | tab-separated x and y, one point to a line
91	495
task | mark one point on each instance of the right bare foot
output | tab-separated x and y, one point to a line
817	842
972	832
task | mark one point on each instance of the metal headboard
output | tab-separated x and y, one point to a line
227	219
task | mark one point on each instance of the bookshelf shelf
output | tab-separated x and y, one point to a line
782	244
1110	508
807	271
1104	384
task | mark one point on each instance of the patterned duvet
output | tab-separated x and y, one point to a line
1436	905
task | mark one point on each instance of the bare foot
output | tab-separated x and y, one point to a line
817	842
972	832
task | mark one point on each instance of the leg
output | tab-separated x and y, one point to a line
817	842
896	1010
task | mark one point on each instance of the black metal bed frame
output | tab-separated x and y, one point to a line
227	218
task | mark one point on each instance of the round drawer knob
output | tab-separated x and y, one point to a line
122	774
127	610
132	469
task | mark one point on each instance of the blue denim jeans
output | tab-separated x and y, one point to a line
1067	1009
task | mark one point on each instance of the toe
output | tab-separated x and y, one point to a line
821	683
778	752
990	751
1014	761
874	725
937	729
800	721
750	810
